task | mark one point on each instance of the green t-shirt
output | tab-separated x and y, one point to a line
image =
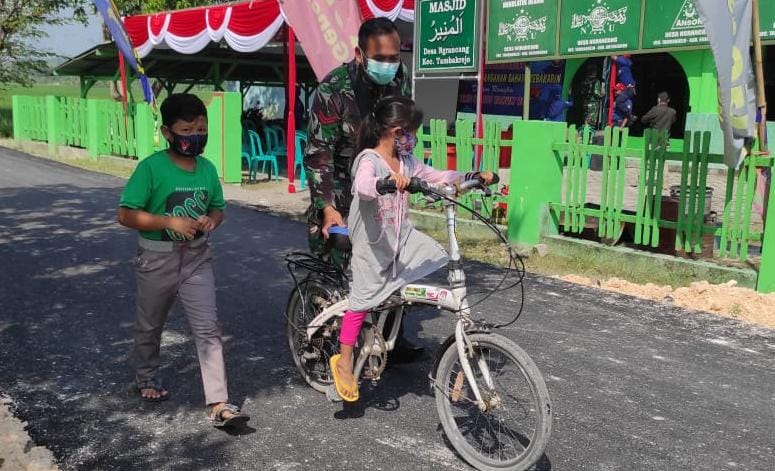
160	187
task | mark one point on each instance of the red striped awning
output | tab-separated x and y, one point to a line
245	27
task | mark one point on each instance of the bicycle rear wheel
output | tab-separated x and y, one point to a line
513	431
311	356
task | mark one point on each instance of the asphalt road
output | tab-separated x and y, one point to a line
635	385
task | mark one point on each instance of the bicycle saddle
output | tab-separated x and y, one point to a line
339	238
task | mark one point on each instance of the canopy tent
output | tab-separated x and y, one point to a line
214	65
243	27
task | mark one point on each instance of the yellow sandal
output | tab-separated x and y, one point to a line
347	394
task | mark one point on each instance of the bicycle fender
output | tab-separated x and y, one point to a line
335	310
444	346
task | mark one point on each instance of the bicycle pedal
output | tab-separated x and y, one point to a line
310	355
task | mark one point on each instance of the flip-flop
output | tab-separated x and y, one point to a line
347	395
236	419
156	386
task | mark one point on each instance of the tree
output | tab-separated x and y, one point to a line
21	21
132	7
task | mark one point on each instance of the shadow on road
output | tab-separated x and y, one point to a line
65	332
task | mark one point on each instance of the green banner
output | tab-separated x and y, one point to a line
598	26
519	29
767	18
672	23
447	35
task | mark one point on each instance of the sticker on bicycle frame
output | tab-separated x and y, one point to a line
413	292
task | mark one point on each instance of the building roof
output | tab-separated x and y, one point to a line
214	65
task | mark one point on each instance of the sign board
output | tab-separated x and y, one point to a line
767	18
541	29
519	29
672	23
599	26
447	35
504	89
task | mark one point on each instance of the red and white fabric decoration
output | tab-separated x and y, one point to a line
393	9
245	27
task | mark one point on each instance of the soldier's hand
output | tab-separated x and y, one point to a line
331	217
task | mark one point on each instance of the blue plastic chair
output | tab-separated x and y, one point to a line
257	156
275	141
246	149
301	144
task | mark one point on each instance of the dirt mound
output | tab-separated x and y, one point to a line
727	299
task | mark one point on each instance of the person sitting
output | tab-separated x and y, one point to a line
387	252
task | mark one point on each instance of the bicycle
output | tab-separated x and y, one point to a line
473	371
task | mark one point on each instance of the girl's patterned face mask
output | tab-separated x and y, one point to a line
405	144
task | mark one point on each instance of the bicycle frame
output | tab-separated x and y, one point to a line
451	299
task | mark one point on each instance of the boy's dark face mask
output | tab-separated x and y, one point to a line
188	146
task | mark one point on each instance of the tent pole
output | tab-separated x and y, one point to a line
290	133
761	101
526	92
480	86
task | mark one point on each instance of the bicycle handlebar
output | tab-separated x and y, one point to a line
386	185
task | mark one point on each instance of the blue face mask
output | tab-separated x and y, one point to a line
381	72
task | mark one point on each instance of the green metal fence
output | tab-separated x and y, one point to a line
98	125
31	120
550	175
690	222
434	145
102	127
551	181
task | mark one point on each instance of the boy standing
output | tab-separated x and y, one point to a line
174	199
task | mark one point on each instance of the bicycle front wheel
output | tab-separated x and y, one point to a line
513	430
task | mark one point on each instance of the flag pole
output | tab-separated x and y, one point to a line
761	102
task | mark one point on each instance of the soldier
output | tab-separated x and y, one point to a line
349	93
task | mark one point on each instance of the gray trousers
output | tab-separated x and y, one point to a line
166	271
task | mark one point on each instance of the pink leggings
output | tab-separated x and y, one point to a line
351	327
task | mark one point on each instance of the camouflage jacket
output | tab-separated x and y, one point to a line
333	127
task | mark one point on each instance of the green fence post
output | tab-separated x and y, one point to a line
93	127
215	132
232	137
144	130
52	123
766	280
536	179
16	110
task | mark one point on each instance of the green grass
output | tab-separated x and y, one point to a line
569	259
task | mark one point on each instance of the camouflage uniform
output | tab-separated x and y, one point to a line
334	119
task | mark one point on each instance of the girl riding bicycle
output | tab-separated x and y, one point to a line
387	252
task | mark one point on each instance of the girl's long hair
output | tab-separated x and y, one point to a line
390	112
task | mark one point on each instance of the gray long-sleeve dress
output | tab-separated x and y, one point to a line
388	252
